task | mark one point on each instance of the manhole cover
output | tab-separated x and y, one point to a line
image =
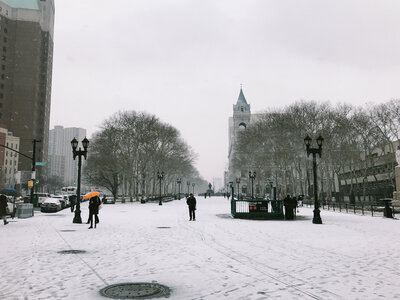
163	227
67	230
71	251
138	290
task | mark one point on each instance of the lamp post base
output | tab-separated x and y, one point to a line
317	217
160	203
77	219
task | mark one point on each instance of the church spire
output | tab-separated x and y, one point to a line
241	99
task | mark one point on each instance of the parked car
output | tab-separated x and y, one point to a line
51	205
63	199
12	207
108	200
40	198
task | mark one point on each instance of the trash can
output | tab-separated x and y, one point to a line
24	210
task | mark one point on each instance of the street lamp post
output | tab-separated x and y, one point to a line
188	184
79	153
238	182
252	176
314	151
179	181
193	184
160	177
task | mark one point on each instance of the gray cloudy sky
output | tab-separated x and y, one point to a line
184	61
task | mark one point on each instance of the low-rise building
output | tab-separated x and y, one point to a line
8	157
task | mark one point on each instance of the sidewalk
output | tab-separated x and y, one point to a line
215	257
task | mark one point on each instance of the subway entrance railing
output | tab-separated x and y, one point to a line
257	209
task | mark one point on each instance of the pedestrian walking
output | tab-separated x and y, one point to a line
94	204
294	206
287	203
72	201
3	208
191	202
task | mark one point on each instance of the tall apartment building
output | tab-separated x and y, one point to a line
60	161
8	158
26	55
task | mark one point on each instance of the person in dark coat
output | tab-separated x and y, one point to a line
191	202
94	204
3	208
287	203
294	206
72	201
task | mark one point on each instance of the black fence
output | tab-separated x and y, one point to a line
357	208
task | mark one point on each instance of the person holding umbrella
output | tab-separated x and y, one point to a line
94	204
3	208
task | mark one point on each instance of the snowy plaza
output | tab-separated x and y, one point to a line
215	257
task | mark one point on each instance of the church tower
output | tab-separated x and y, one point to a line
239	121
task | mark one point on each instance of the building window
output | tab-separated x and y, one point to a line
2	76
3	67
4	49
5	40
1	95
3	57
5	30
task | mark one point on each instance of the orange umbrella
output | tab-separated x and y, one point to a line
91	194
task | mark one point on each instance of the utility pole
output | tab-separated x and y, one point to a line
33	176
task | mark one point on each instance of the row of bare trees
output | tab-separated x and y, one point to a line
129	150
357	140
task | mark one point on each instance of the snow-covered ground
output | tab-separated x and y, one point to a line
215	257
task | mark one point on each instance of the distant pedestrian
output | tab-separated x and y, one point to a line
287	203
191	202
294	206
72	201
3	208
205	195
94	204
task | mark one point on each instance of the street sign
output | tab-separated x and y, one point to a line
41	163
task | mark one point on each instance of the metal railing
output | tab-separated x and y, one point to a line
357	208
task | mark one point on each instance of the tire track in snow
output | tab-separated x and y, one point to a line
87	264
245	260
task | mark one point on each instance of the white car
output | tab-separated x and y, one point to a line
41	197
12	207
64	199
50	205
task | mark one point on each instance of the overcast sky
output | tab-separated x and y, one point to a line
184	61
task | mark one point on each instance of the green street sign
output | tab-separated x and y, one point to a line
41	163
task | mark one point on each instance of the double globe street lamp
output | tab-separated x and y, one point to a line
238	182
252	176
79	153
314	151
